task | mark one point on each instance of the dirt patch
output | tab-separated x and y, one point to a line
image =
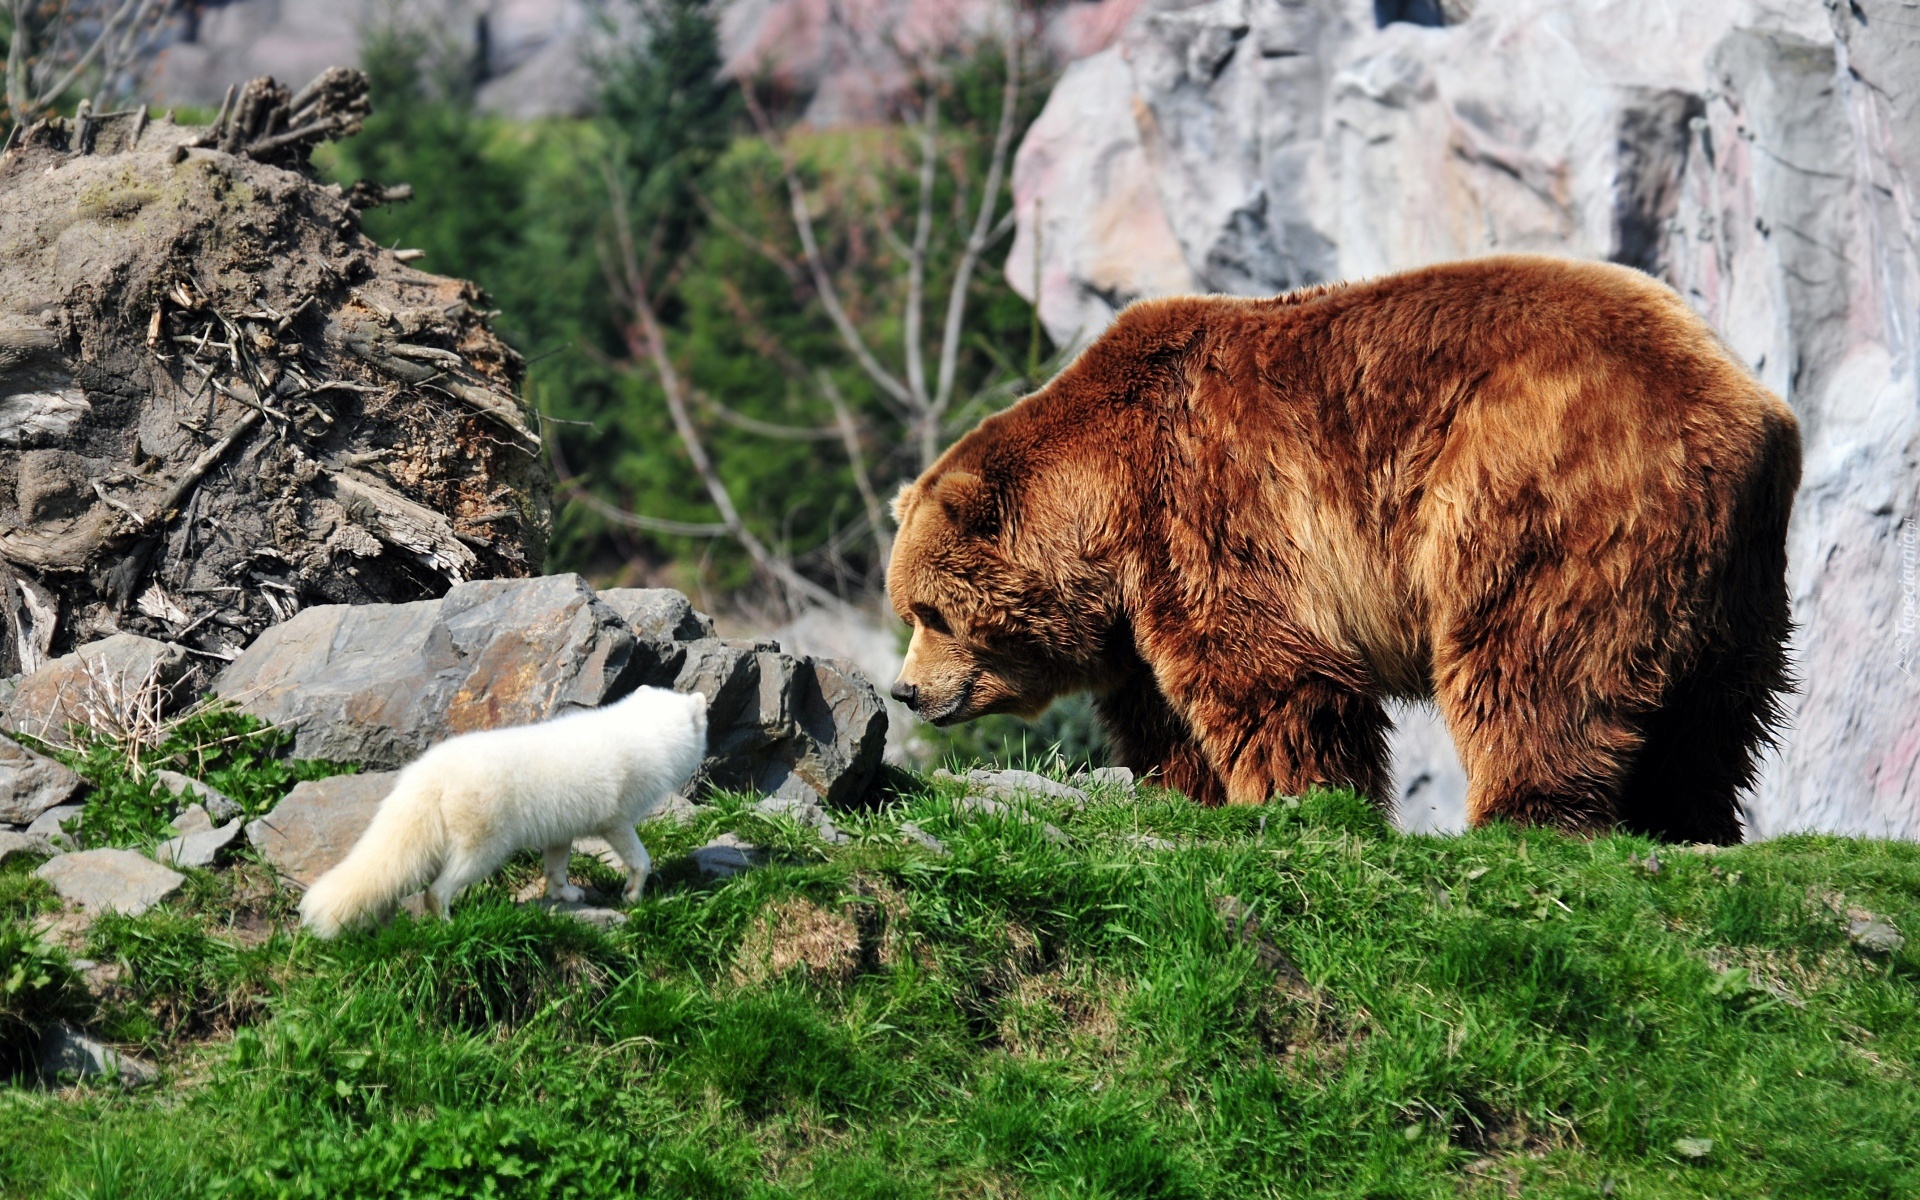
799	934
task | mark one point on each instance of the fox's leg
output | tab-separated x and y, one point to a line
460	870
626	843
557	858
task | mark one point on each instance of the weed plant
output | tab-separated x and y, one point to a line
1495	1014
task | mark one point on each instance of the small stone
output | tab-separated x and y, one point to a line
1015	783
200	848
1695	1148
65	1051
1651	864
995	808
101	676
192	819
914	833
12	843
678	810
110	880
220	807
727	855
807	813
30	783
1149	842
48	823
1875	937
318	822
604	918
1115	777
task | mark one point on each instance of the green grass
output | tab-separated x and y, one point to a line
1496	1014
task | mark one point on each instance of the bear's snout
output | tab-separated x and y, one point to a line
907	693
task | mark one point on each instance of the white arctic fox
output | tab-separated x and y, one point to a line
459	810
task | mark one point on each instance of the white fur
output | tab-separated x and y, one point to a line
462	808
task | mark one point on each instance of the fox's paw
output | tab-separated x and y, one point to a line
566	893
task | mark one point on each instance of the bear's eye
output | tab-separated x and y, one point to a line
931	618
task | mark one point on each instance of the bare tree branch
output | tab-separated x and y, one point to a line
983	235
740	420
857	460
822	280
917	257
646	340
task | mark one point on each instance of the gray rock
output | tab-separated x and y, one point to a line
1147	841
604	918
678	810
806	729
1875	937
379	683
218	806
1029	783
201	847
48	823
13	842
100	677
30	783
192	819
110	880
727	855
318	822
1113	777
807	813
66	1052
994	808
658	614
913	833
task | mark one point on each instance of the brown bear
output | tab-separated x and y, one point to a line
1540	492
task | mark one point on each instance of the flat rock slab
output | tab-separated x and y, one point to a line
318	822
1024	783
604	918
30	783
110	880
1875	937
220	808
12	843
199	848
100	676
65	1052
727	855
380	683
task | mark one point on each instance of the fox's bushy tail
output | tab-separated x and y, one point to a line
399	853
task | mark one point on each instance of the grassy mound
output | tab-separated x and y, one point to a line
1497	1014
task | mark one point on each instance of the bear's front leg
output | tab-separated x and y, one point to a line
1148	737
1284	736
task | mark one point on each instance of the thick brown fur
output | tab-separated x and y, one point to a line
1540	492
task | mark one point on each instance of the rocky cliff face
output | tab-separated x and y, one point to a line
1764	158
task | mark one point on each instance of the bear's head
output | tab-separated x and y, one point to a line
992	573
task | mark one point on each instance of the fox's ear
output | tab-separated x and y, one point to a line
903	501
967	502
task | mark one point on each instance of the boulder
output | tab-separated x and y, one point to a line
30	783
216	806
379	683
318	822
804	729
658	614
110	880
101	685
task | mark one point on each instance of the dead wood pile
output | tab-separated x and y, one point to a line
219	402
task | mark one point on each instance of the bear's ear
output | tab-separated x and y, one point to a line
903	503
965	499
